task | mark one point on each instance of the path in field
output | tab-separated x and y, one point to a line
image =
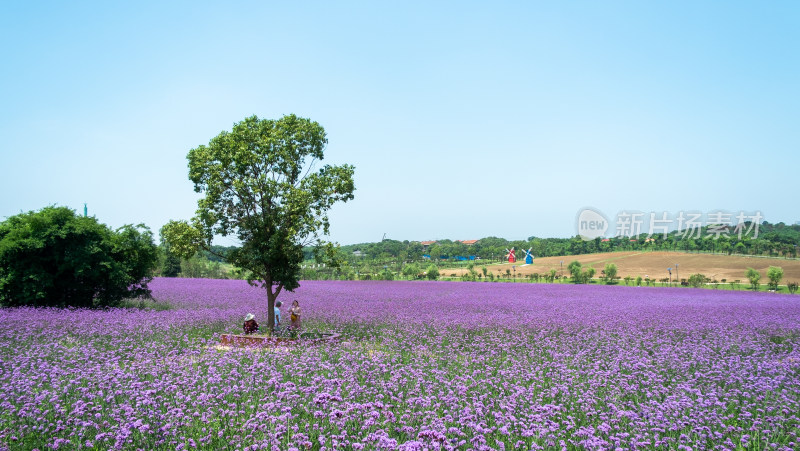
655	264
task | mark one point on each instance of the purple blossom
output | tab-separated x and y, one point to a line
422	365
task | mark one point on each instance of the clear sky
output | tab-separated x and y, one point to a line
463	120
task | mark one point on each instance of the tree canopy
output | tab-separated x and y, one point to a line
55	258
259	184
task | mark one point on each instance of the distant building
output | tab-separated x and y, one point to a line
358	254
468	242
427	244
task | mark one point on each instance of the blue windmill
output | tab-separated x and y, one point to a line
528	256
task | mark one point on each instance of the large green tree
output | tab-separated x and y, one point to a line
55	258
260	185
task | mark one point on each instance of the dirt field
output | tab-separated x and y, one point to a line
655	264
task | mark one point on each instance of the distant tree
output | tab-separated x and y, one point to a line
55	258
259	185
609	272
574	269
471	274
432	273
551	276
639	281
774	274
792	286
386	274
194	267
411	270
168	263
697	280
588	274
753	276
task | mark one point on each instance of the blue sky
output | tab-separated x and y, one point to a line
462	119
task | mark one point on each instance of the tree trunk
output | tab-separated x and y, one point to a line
271	295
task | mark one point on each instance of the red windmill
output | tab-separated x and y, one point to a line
510	255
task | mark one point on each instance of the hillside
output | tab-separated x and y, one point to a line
655	264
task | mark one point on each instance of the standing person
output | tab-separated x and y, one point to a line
278	314
295	315
250	325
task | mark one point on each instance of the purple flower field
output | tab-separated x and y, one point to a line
422	365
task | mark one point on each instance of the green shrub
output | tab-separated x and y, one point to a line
432	273
753	276
55	258
697	280
774	274
609	273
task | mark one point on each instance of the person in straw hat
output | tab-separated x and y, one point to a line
250	324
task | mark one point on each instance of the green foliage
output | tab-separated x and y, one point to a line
411	270
258	185
697	280
55	258
639	281
169	264
753	276
386	274
577	274
199	267
774	274
609	273
792	286
471	275
574	269
432	273
588	274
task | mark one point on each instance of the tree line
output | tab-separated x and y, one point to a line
774	240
